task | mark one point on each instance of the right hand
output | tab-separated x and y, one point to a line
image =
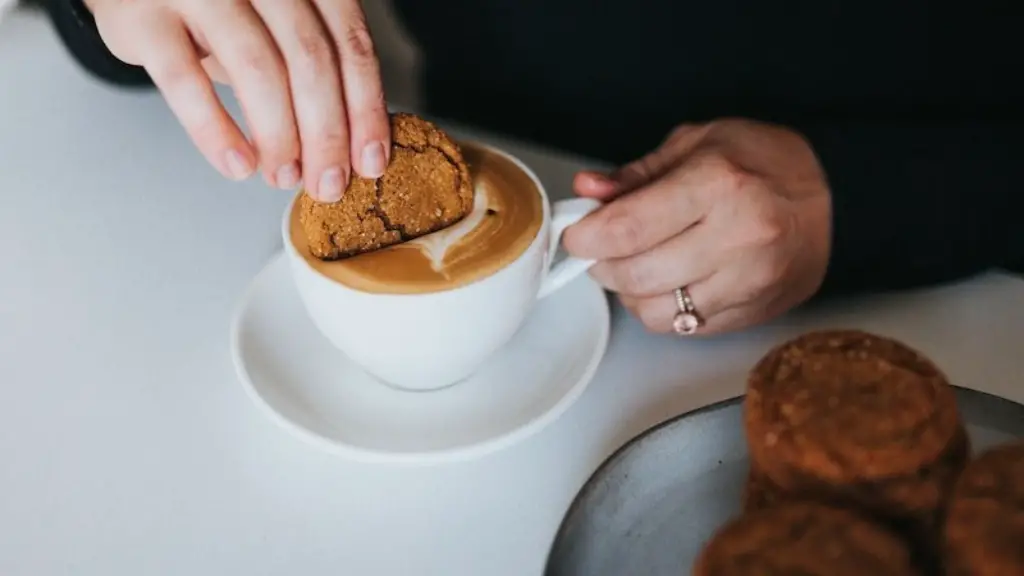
304	71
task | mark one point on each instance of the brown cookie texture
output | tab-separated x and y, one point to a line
856	420
759	492
912	505
847	406
425	188
984	528
804	538
917	494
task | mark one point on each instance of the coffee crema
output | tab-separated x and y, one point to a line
507	214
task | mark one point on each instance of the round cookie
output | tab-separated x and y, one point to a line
984	529
848	406
807	539
853	419
426	187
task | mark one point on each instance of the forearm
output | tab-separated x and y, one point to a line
918	204
77	29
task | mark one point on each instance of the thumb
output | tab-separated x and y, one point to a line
600	186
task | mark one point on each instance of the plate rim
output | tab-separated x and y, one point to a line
612	459
460	453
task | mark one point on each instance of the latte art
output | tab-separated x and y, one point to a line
436	246
507	214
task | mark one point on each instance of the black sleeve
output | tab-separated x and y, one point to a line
76	27
919	204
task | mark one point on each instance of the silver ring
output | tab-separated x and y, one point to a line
687	320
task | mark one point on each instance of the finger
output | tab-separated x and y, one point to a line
657	316
241	43
594	185
635	223
364	92
658	312
625	179
650	167
171	61
215	70
734	319
723	301
316	92
679	261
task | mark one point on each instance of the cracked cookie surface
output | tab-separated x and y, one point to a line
426	187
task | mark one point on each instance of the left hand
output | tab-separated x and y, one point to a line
738	212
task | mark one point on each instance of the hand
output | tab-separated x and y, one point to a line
736	211
305	73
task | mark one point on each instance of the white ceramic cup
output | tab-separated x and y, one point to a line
433	340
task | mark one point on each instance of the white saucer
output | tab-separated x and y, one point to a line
306	385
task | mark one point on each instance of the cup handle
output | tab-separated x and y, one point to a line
565	213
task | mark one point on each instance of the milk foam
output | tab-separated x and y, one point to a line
436	245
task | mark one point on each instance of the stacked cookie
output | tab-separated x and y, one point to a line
847	424
984	528
805	539
857	420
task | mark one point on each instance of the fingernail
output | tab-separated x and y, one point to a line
288	176
374	160
331	185
238	167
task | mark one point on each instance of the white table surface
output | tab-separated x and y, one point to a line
129	447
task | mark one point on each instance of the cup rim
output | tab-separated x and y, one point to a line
293	252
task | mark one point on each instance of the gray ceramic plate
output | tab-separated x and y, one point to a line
649	509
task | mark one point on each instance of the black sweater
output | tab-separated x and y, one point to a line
911	105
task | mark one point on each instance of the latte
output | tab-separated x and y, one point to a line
507	214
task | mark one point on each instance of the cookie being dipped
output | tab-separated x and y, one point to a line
426	187
984	528
855	419
804	538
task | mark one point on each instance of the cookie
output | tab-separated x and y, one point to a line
984	528
807	539
759	492
859	420
847	406
425	188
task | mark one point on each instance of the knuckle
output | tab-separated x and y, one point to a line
372	110
379	107
256	60
115	24
326	147
679	132
174	76
277	150
728	175
624	230
315	55
207	133
632	278
767	227
358	43
578	241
